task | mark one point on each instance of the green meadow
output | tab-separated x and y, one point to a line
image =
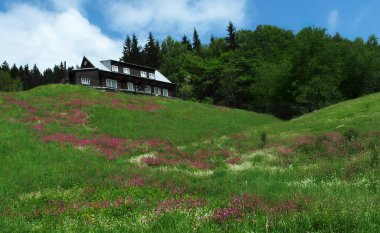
75	159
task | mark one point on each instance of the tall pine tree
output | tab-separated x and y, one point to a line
231	39
127	47
151	52
196	42
186	42
135	55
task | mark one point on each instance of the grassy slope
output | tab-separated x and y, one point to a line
362	114
333	193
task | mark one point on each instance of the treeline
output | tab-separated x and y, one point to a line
24	78
271	69
268	69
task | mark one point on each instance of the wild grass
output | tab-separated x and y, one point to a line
73	159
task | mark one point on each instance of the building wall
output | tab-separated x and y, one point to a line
98	79
92	74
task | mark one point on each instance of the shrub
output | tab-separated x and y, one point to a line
351	134
263	137
374	160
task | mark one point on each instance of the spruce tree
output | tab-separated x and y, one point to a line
126	50
231	39
186	42
135	56
151	52
5	66
14	72
196	41
212	39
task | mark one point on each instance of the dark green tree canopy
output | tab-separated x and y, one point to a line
231	39
127	48
196	41
187	43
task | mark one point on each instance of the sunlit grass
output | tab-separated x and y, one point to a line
306	176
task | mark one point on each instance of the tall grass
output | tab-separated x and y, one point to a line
216	171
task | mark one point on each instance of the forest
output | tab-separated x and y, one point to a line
269	69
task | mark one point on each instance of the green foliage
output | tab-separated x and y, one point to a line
231	39
374	159
274	70
9	84
351	134
196	42
263	137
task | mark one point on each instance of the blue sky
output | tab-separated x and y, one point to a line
48	31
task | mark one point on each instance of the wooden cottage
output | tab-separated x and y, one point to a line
121	76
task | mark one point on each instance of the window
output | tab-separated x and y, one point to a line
130	86
165	92
111	83
157	91
151	75
143	74
126	71
115	68
85	81
148	89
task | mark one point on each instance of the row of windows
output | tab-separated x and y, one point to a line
130	86
128	71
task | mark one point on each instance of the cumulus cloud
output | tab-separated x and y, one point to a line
174	17
333	20
31	35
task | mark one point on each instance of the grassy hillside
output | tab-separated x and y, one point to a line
77	159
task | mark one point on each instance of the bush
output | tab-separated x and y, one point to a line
263	137
374	160
208	100
351	134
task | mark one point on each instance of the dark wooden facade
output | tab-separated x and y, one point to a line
115	75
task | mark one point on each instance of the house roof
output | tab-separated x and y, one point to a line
100	66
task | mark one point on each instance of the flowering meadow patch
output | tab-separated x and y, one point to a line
58	207
247	205
179	204
112	147
169	155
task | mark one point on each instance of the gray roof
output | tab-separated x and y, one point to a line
161	77
99	65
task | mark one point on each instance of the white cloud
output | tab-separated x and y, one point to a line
174	17
333	20
34	36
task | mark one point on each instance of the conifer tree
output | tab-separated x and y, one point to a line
186	42
5	66
135	56
196	41
212	39
151	52
231	39
126	50
14	72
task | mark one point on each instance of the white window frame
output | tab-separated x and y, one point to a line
111	83
157	91
126	70
152	76
143	74
85	80
115	68
130	86
148	89
165	92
